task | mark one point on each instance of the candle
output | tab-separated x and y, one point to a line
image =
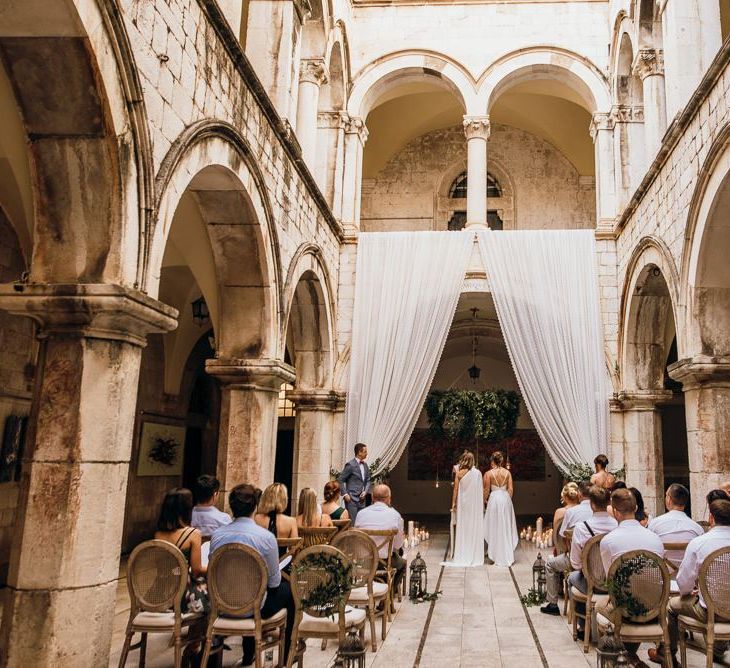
538	525
410	529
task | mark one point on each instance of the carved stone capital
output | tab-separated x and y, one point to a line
701	370
313	71
96	311
476	127
356	126
332	120
625	113
264	374
316	400
643	400
600	121
649	62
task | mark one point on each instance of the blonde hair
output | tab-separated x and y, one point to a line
570	493
466	461
308	507
275	498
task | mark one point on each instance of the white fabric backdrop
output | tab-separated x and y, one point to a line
406	290
545	289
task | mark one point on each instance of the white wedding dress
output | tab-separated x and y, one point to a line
469	544
500	526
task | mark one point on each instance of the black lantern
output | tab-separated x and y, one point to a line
419	578
538	576
609	650
474	372
200	310
351	653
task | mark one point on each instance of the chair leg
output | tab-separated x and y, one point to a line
178	652
258	655
293	647
143	651
574	621
682	647
281	659
566	594
709	651
373	637
206	647
587	628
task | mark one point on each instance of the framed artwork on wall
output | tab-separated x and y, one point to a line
161	449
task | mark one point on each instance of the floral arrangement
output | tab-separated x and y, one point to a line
532	597
582	473
620	586
327	596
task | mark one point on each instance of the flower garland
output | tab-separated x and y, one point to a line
327	596
620	587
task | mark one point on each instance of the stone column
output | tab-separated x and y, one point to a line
62	583
630	150
249	413
330	157
642	428
649	67
476	129
312	75
602	134
356	135
273	34
313	438
706	385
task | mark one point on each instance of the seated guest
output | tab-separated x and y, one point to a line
569	497
331	504
577	513
243	500
173	526
640	515
690	602
717	495
270	514
309	512
675	526
602	477
619	484
381	515
206	517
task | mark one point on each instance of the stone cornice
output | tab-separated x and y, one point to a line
649	62
476	127
701	370
626	113
354	125
265	374
96	311
642	400
335	120
316	400
313	71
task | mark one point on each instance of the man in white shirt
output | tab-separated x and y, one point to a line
675	526
206	517
380	515
690	603
578	513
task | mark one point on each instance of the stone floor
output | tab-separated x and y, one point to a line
477	622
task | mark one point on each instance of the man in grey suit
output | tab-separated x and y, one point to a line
355	481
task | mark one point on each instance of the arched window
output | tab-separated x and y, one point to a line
459	187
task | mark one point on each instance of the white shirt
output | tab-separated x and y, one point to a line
575	514
697	551
629	536
208	518
382	516
601	523
675	527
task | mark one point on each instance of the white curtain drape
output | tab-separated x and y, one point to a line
406	290
545	289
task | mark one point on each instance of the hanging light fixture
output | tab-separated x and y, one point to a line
200	310
474	371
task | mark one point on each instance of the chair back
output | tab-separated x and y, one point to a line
593	570
559	540
317	535
342	525
292	546
673	555
714	581
362	553
157	575
647	582
568	539
383	539
237	578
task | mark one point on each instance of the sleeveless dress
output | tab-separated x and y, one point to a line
500	526
272	529
469	542
336	514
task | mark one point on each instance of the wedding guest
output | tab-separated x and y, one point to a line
271	513
355	481
206	517
381	515
309	511
569	497
243	500
619	484
716	495
675	526
602	477
641	515
580	512
331	504
690	602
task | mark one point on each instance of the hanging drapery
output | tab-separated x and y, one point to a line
545	289
406	290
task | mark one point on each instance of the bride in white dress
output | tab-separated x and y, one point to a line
468	500
500	526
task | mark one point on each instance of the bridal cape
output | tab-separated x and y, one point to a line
469	544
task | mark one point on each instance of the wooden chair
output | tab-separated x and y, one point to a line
567	543
292	547
673	555
157	575
317	535
342	525
237	578
595	594
360	550
383	539
649	586
714	583
311	621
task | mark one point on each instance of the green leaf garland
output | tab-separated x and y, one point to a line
327	596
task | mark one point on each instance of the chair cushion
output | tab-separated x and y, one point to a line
577	595
360	594
309	624
162	620
629	631
721	628
232	625
600	600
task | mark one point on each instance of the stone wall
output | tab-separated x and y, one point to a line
541	188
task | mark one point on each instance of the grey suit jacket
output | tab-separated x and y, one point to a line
352	482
